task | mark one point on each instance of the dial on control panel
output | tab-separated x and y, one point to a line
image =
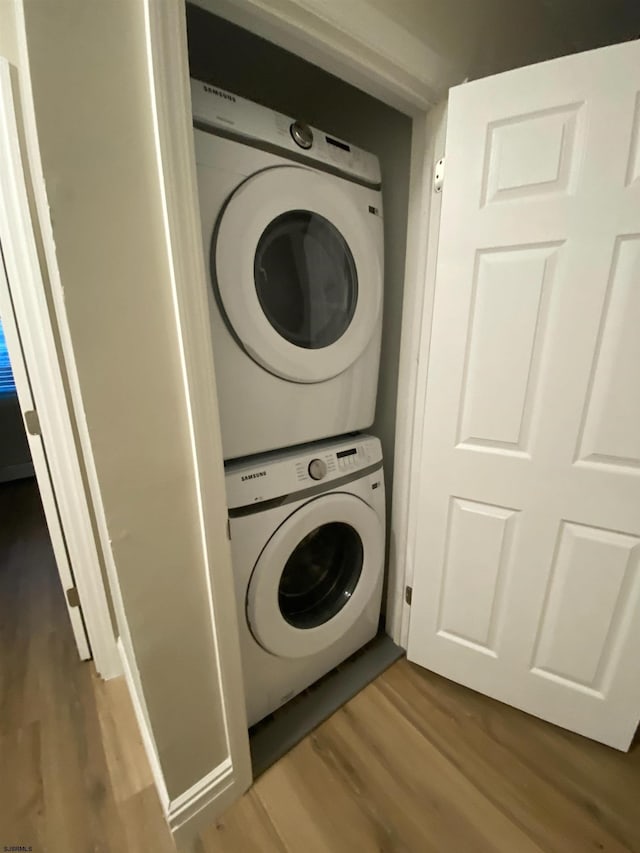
302	134
317	469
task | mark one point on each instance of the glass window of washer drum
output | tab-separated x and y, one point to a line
305	279
320	575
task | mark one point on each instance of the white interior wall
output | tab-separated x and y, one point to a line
218	53
105	212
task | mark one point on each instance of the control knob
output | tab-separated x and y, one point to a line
317	469
302	134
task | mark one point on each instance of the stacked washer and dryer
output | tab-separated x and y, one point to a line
293	238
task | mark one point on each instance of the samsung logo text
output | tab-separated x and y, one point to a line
220	94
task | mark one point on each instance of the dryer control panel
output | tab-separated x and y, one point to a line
230	114
285	472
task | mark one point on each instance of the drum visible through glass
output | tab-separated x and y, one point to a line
320	575
305	279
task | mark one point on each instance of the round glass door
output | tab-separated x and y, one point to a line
305	278
320	575
296	263
316	575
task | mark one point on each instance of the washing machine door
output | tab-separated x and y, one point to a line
297	272
316	575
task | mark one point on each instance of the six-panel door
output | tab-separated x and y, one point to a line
527	577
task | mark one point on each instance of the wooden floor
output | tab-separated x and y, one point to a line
413	764
74	777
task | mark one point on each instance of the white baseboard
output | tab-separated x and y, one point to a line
145	731
200	795
201	804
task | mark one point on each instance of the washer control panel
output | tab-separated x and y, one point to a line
218	109
286	472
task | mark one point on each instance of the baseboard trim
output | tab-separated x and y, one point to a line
200	795
202	802
145	731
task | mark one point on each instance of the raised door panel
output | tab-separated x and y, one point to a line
477	558
633	166
592	584
532	154
509	305
612	425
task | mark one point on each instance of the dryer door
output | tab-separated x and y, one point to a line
298	273
315	575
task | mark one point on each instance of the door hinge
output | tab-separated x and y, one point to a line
32	422
408	592
72	597
229	529
438	176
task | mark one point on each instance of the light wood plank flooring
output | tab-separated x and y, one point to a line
74	777
414	763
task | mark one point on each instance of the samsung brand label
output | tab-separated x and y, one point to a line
220	94
253	476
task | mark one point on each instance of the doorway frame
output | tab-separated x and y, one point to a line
38	466
35	344
421	93
342	54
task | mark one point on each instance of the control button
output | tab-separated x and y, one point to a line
302	134
317	469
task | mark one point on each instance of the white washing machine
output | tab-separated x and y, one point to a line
293	238
307	540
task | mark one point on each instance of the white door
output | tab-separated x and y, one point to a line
41	468
316	575
527	576
297	270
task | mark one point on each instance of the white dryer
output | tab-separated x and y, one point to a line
293	238
307	540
